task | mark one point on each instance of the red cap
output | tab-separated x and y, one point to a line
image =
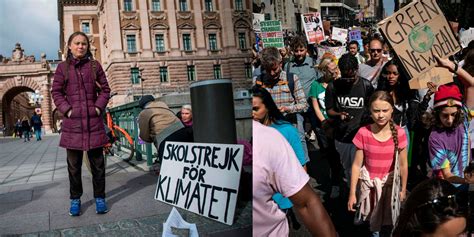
447	95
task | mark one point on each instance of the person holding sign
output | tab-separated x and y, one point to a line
372	68
284	175
448	143
380	158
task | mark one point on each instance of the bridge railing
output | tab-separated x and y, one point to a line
126	117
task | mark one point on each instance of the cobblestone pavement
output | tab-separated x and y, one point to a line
34	198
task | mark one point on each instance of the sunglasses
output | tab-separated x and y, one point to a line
375	50
458	202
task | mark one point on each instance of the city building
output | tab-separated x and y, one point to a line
288	12
25	86
161	46
341	13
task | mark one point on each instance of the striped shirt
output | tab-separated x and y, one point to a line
378	155
282	96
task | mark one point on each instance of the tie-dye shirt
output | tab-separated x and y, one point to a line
450	149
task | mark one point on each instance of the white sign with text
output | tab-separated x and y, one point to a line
202	178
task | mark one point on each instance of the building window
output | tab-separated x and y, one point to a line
191	73
135	75
183	5
127	5
217	71
212	42
160	42
242	41
131	44
208	5
155	5
248	70
187	42
239	5
163	74
86	27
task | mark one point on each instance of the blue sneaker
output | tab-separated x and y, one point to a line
75	209
100	206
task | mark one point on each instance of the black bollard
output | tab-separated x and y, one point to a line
213	111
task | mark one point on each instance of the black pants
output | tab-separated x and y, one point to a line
74	167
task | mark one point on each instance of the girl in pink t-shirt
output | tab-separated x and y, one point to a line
374	165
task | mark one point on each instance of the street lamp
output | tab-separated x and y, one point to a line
36	98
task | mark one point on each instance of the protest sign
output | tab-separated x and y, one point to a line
272	36
202	178
417	32
313	27
257	18
336	51
327	27
356	35
339	34
466	37
437	75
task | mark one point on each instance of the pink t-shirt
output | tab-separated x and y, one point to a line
275	169
378	156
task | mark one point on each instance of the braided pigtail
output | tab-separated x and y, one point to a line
394	131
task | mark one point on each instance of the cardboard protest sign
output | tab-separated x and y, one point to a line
272	36
417	32
327	27
202	178
339	34
466	37
336	51
313	27
257	18
437	75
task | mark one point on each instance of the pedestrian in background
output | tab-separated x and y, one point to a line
25	128
81	93
36	123
186	115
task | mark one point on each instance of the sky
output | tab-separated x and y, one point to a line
388	4
32	23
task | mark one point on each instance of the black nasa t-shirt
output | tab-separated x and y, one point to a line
350	99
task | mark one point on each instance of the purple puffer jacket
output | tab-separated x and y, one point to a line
84	129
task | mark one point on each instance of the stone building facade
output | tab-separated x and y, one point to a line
19	75
161	46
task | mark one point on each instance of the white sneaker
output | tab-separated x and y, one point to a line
334	192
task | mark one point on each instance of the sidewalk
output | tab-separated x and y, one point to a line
34	198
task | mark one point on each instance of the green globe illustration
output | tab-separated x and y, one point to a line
421	38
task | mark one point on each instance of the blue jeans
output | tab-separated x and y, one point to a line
300	127
38	134
385	231
26	135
